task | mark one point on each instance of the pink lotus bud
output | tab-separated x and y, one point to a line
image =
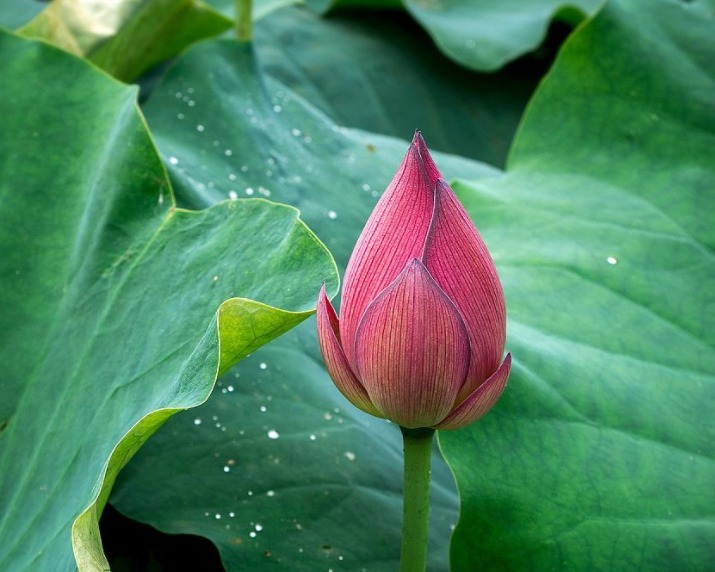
423	324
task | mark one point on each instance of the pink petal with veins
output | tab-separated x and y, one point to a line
460	263
412	350
394	234
334	357
432	170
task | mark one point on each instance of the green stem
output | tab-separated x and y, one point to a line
243	22
415	504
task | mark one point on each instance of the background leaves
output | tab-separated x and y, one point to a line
110	298
286	482
479	34
126	38
485	35
397	64
561	234
599	456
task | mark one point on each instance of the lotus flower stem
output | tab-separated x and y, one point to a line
243	20
415	508
422	326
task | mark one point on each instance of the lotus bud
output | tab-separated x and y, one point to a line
423	321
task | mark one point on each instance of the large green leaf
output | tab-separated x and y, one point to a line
466	113
289	475
245	135
481	34
126	37
484	35
597	254
117	309
601	455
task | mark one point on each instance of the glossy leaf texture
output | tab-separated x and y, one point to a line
483	109
593	459
484	35
601	453
481	35
126	37
117	309
292	475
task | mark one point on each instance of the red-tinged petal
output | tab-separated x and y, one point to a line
460	263
432	170
412	350
480	401
335	361
394	234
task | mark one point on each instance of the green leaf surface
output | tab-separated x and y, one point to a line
281	472
485	35
481	35
601	454
329	472
126	37
117	309
15	14
474	115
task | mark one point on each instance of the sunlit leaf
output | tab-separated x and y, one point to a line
126	37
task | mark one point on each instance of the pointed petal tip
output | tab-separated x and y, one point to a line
394	233
323	302
418	142
480	401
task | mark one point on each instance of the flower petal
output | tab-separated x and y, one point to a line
412	350
334	357
394	234
432	170
480	401
456	256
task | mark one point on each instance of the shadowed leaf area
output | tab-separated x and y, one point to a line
479	34
131	546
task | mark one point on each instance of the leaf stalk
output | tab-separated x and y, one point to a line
243	20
